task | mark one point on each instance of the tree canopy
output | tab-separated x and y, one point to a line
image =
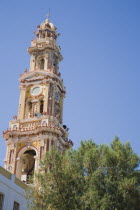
91	177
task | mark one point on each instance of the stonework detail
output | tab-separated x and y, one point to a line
39	124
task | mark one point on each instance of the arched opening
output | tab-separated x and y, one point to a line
26	164
30	164
42	62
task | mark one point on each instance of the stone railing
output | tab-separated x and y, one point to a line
49	70
42	41
31	128
45	122
31	124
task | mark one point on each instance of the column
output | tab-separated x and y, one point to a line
46	62
61	108
22	103
32	63
36	164
46	95
53	100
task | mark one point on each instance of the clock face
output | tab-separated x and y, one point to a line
36	90
10	168
57	97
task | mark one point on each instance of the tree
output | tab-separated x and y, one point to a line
92	177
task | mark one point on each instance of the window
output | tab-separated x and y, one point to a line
11	158
41	106
16	206
42	62
1	200
48	142
30	106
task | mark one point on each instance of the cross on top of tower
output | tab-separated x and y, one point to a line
48	15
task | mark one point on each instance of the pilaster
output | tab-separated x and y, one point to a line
32	62
46	95
22	103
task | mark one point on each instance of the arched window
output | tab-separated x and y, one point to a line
42	62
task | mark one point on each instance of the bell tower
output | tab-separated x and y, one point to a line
39	123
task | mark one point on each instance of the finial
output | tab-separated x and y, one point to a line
48	15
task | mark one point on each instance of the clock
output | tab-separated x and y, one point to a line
36	90
57	97
10	168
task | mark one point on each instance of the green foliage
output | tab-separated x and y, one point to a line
90	178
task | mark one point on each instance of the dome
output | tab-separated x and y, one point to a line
48	24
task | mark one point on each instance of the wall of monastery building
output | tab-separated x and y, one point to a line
12	191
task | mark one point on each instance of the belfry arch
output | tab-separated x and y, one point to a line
26	163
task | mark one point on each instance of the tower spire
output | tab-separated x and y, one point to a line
48	15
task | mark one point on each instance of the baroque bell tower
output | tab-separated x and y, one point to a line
39	123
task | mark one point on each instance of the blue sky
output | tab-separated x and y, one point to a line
100	41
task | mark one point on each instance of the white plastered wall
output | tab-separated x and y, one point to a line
12	192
